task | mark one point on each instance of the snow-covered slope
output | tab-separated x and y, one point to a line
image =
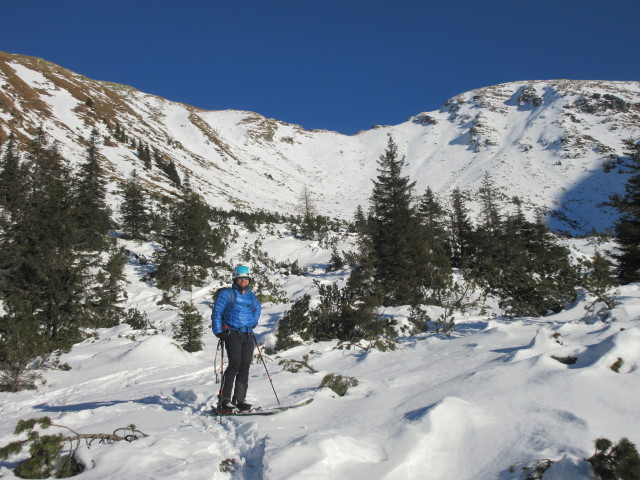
555	144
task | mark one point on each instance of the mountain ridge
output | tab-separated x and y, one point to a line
556	144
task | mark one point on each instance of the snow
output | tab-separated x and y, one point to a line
472	405
61	101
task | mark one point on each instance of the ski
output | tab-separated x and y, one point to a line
257	411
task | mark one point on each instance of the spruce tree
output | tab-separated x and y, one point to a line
398	245
627	227
486	253
433	216
598	277
190	244
527	269
189	329
172	173
45	278
134	212
460	230
20	343
108	292
308	212
438	276
91	211
361	282
168	167
53	270
12	178
490	216
144	154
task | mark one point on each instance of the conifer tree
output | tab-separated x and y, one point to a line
433	216
45	277
12	175
189	329
20	344
308	212
134	214
398	245
92	213
486	254
361	283
359	221
598	276
627	227
168	167
526	268
490	216
190	244
460	230
144	154
108	292
172	173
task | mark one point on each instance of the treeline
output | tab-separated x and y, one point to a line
409	246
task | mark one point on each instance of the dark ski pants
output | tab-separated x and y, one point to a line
239	346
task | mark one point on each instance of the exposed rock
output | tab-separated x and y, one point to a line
529	95
425	119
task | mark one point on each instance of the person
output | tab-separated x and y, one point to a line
235	314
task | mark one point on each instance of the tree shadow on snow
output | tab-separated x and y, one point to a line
580	207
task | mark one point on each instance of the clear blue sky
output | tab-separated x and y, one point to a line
335	64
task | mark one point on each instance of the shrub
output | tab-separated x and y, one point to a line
616	365
136	319
294	366
338	383
336	318
619	462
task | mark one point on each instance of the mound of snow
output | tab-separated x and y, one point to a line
452	429
622	347
543	342
156	350
570	468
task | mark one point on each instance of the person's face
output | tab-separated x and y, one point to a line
242	282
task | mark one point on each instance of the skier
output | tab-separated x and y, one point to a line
235	315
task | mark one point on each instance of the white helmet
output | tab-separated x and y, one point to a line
241	271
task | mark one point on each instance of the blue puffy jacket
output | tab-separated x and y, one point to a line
235	310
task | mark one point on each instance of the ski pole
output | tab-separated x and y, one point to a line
221	379
265	368
215	362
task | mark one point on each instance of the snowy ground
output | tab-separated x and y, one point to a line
469	406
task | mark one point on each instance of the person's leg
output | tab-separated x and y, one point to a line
242	377
234	354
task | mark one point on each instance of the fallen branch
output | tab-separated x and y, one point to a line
46	451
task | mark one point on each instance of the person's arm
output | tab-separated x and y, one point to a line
218	310
256	313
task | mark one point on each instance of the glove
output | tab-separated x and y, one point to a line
223	335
